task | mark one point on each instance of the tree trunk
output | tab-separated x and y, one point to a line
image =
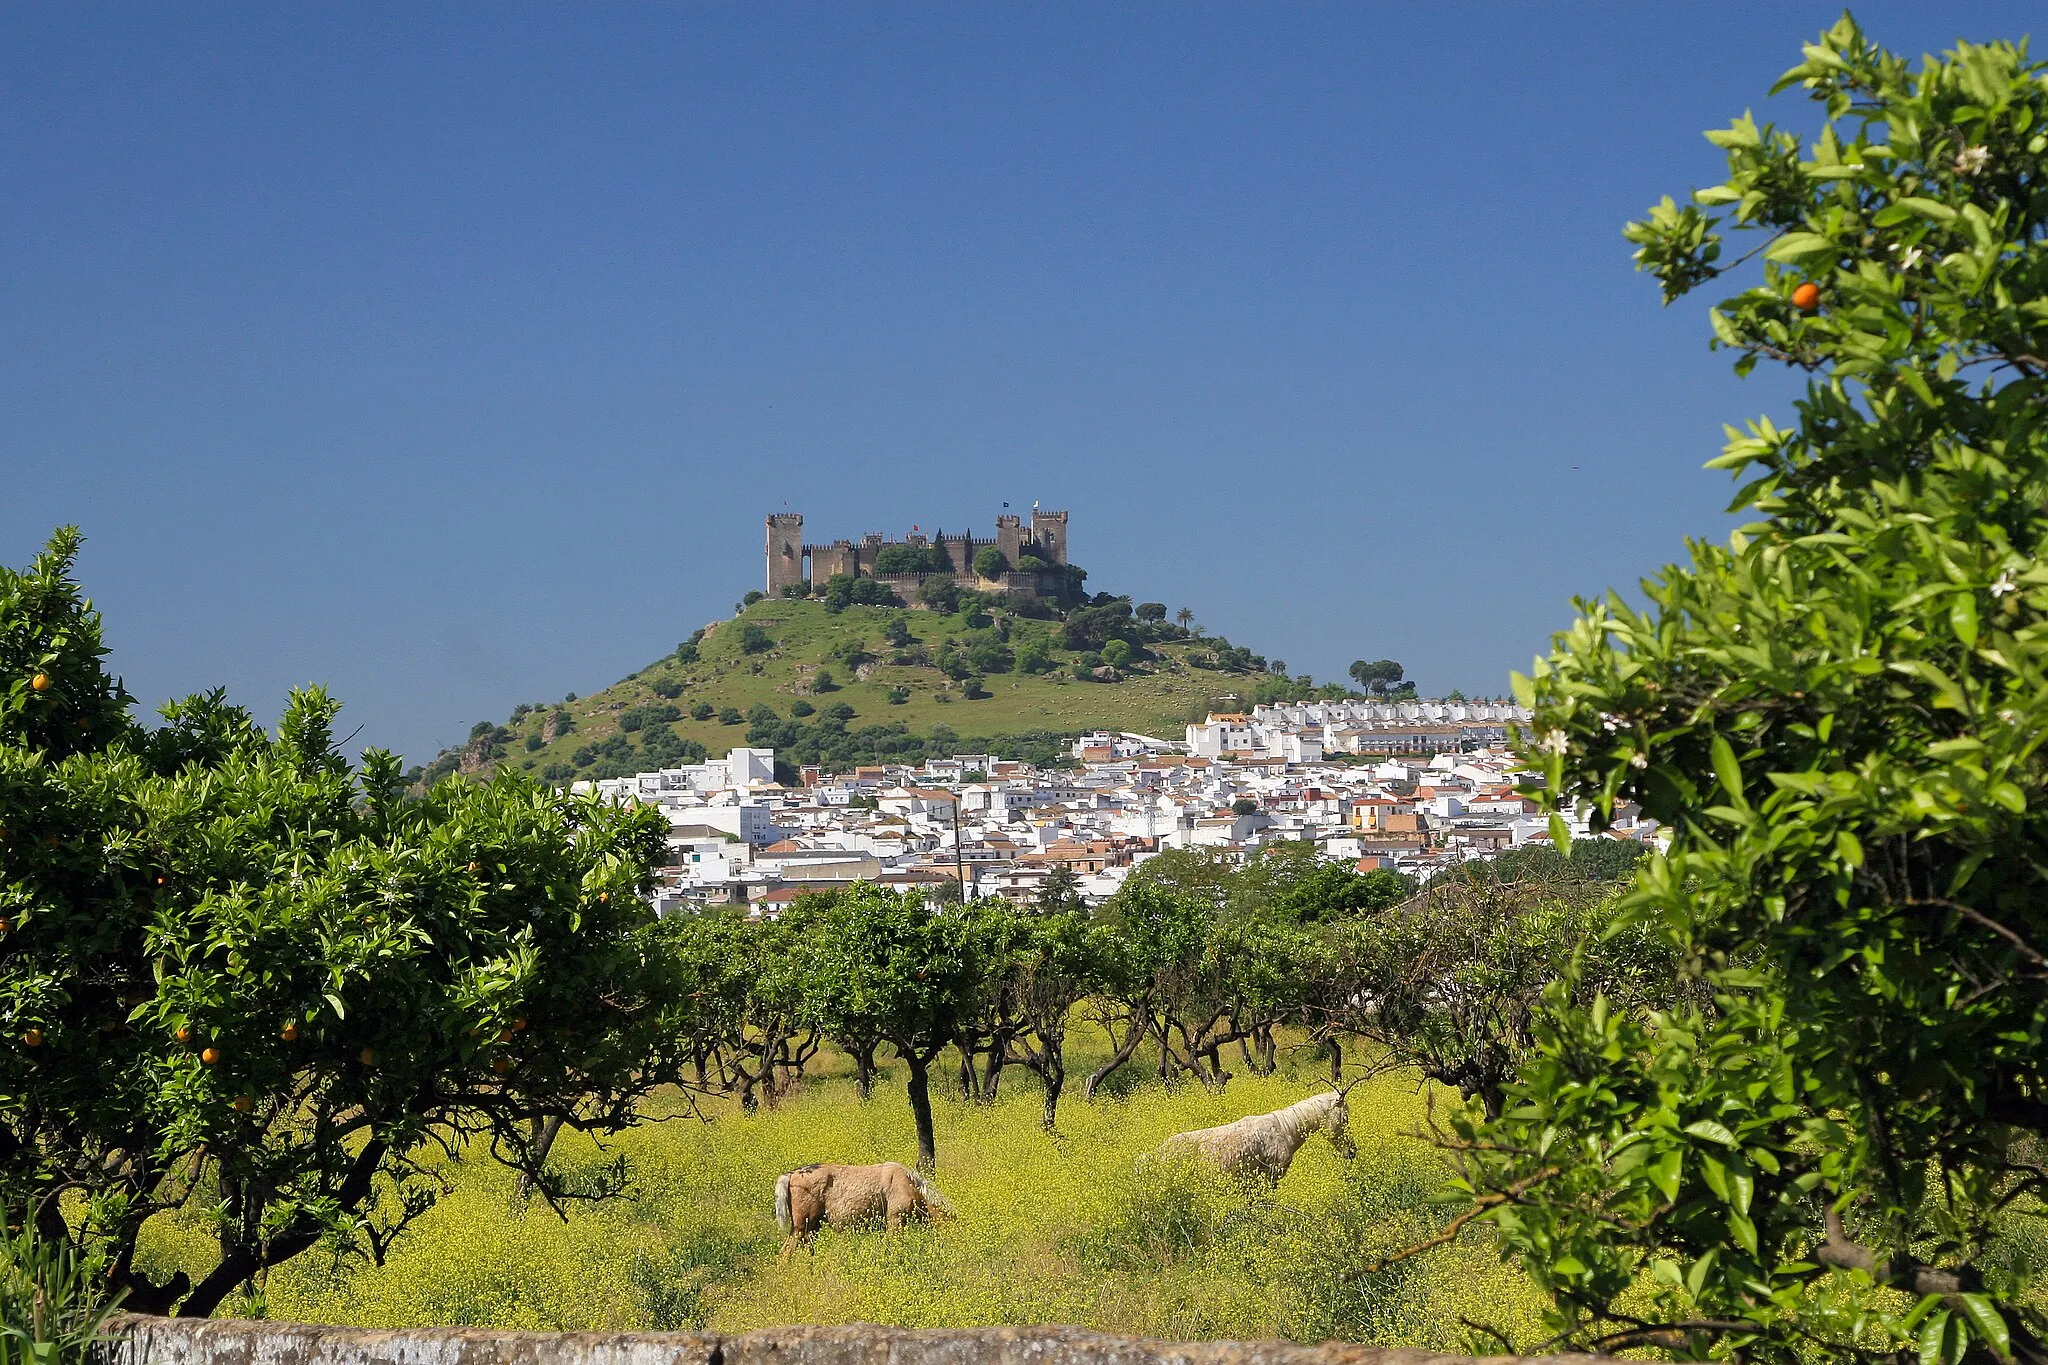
544	1134
1118	1058
1054	1074
1336	1050
864	1070
921	1110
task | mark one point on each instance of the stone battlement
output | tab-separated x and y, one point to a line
792	562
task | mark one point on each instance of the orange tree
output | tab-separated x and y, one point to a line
242	978
896	966
1839	715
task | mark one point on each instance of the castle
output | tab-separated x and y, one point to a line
1045	541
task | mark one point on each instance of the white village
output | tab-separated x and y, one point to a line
1413	787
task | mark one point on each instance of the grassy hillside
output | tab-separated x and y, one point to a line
950	681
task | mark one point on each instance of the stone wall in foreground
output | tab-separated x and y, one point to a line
140	1340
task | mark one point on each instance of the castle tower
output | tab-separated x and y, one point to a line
785	550
1049	529
1010	539
959	549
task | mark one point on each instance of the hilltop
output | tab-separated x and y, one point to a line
826	681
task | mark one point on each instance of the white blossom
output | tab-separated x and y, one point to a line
1609	723
1910	258
2004	584
1971	160
1554	742
1638	761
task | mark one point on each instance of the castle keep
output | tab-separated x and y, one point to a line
1045	540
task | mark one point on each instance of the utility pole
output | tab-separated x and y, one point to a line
959	856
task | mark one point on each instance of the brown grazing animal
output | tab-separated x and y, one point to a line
811	1197
1265	1144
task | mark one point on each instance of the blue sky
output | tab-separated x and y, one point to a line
452	355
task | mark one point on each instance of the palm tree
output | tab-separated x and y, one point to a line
1185	617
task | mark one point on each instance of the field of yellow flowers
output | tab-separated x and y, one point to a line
1052	1228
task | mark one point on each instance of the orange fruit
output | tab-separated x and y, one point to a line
290	1032
208	1055
40	682
5	924
603	896
183	1034
54	842
109	1025
518	1024
1806	297
34	1037
504	1035
159	881
502	1065
369	1056
243	1104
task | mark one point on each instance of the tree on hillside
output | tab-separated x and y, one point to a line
244	978
1380	678
989	562
1186	617
1839	716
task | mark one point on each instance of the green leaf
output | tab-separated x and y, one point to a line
1932	1333
1711	1131
1962	619
1668	1172
1728	770
1800	247
1929	208
1987	1324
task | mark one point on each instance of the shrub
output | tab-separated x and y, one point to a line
896	561
54	1303
972	689
534	743
703	710
941	592
730	716
821	681
668	688
990	563
898	696
755	640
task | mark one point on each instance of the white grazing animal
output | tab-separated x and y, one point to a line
1265	1144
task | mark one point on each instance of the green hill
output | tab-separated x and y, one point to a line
869	684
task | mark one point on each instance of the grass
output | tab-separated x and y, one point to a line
1159	699
1059	1228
